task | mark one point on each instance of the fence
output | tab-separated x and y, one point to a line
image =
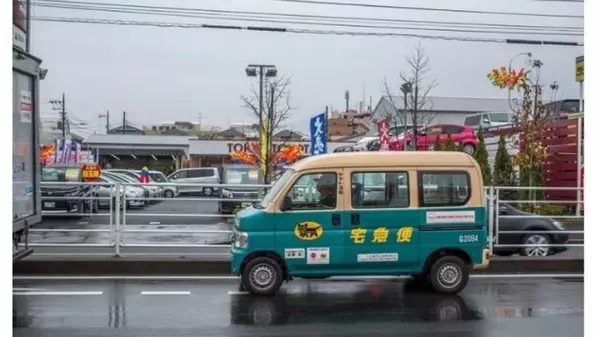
115	232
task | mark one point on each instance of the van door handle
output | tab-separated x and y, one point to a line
336	219
355	219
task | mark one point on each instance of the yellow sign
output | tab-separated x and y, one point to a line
380	235
90	172
253	174
405	234
579	69
71	175
308	231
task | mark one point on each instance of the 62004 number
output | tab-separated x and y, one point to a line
468	238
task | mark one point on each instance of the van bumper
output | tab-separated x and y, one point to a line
237	257
485	260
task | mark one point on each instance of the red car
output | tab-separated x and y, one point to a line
427	136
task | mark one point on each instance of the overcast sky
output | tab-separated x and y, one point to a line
167	74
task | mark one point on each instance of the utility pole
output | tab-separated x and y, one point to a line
124	121
107	116
60	105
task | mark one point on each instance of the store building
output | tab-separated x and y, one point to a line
168	153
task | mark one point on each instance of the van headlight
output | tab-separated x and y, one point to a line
240	240
226	193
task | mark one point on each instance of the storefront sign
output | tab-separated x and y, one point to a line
90	172
233	147
20	18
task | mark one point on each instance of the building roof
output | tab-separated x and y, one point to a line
473	105
137	140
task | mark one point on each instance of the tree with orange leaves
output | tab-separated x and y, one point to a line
532	118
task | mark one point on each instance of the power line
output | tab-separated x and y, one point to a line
345	25
451	10
217	12
298	31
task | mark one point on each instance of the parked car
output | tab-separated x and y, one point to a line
523	221
67	173
238	174
488	119
197	175
168	190
134	195
155	191
124	179
427	137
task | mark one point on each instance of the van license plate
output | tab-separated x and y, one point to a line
49	204
246	204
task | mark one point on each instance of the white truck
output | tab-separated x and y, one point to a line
27	210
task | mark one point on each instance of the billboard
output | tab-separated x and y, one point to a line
21	24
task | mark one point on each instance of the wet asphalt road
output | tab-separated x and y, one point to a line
138	220
488	307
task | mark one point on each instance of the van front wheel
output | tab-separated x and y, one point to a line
449	275
262	276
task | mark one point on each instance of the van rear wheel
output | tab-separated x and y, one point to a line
449	275
262	276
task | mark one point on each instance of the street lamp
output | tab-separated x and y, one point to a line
268	71
406	88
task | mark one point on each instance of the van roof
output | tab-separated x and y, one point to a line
386	159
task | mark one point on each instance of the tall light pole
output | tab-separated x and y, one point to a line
263	70
406	88
528	54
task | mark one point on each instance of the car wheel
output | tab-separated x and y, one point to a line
469	149
538	245
169	194
262	276
207	191
449	275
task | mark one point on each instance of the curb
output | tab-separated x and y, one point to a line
133	267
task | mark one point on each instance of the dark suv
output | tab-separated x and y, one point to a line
237	197
54	194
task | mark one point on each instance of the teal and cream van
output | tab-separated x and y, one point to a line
366	213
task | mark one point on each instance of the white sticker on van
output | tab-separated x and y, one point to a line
451	217
385	257
295	253
317	255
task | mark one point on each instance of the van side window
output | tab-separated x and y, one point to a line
314	191
444	188
380	190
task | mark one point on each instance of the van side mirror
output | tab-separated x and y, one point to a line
286	205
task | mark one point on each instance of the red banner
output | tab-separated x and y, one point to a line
383	130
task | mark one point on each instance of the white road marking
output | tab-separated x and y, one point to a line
30	289
83	223
166	292
154	223
225	277
57	293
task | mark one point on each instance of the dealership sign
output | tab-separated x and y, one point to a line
20	20
242	146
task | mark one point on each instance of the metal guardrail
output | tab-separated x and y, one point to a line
118	227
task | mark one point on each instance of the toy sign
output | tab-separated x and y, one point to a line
90	172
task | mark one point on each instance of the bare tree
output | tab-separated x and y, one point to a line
276	110
416	108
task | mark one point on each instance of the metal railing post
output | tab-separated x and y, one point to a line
118	220
491	219
496	217
111	226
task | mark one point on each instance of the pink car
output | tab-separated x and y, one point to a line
427	136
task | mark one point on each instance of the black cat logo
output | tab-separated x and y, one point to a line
308	230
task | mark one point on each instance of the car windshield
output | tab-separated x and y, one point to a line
241	176
159	177
473	120
60	174
499	117
279	184
117	177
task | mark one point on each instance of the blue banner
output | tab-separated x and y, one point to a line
318	134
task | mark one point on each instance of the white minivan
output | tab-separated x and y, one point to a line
485	120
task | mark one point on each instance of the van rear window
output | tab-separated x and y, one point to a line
473	120
444	188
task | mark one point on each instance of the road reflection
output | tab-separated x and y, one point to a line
376	302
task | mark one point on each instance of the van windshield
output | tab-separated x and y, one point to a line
473	120
268	198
